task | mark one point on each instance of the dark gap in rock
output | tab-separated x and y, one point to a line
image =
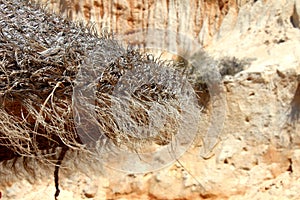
208	196
246	168
247	119
280	41
290	168
226	161
249	79
295	106
295	18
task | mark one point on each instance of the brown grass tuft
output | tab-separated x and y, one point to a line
43	57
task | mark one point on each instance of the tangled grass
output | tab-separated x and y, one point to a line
39	58
43	57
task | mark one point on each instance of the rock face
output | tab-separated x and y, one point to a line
200	19
259	150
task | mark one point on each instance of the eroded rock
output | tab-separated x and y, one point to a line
258	153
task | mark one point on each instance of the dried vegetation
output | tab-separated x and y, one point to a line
43	57
40	59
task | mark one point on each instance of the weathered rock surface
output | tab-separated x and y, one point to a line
199	18
258	156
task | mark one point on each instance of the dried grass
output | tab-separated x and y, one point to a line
40	59
53	71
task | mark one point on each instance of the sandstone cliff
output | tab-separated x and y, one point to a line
200	19
259	150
